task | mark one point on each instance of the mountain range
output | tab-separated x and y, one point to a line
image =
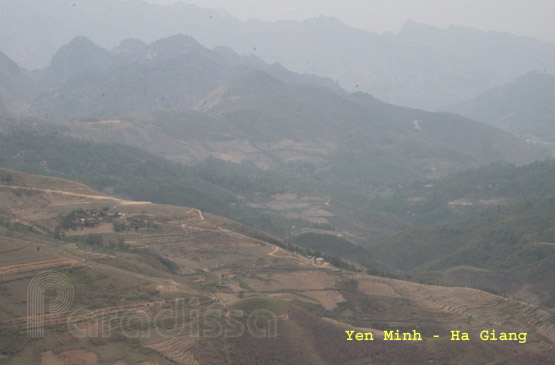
85	80
420	66
185	102
188	186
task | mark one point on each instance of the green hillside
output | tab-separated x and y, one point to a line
524	107
330	244
490	228
504	237
136	174
461	193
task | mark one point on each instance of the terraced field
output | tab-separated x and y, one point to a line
177	349
169	255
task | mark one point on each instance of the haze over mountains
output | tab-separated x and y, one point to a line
180	100
14	86
421	66
85	80
222	180
292	134
524	107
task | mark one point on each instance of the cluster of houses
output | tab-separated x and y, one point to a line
317	260
92	217
86	218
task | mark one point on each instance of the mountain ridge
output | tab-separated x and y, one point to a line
262	114
396	68
523	106
85	80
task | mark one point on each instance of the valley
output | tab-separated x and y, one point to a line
167	199
179	253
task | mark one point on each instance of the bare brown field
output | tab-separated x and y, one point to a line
313	208
328	299
109	314
376	288
481	309
36	265
301	280
81	357
177	349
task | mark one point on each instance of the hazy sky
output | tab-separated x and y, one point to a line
535	18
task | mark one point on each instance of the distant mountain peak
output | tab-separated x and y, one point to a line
412	30
173	46
325	20
411	26
7	64
72	59
80	50
180	41
81	40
